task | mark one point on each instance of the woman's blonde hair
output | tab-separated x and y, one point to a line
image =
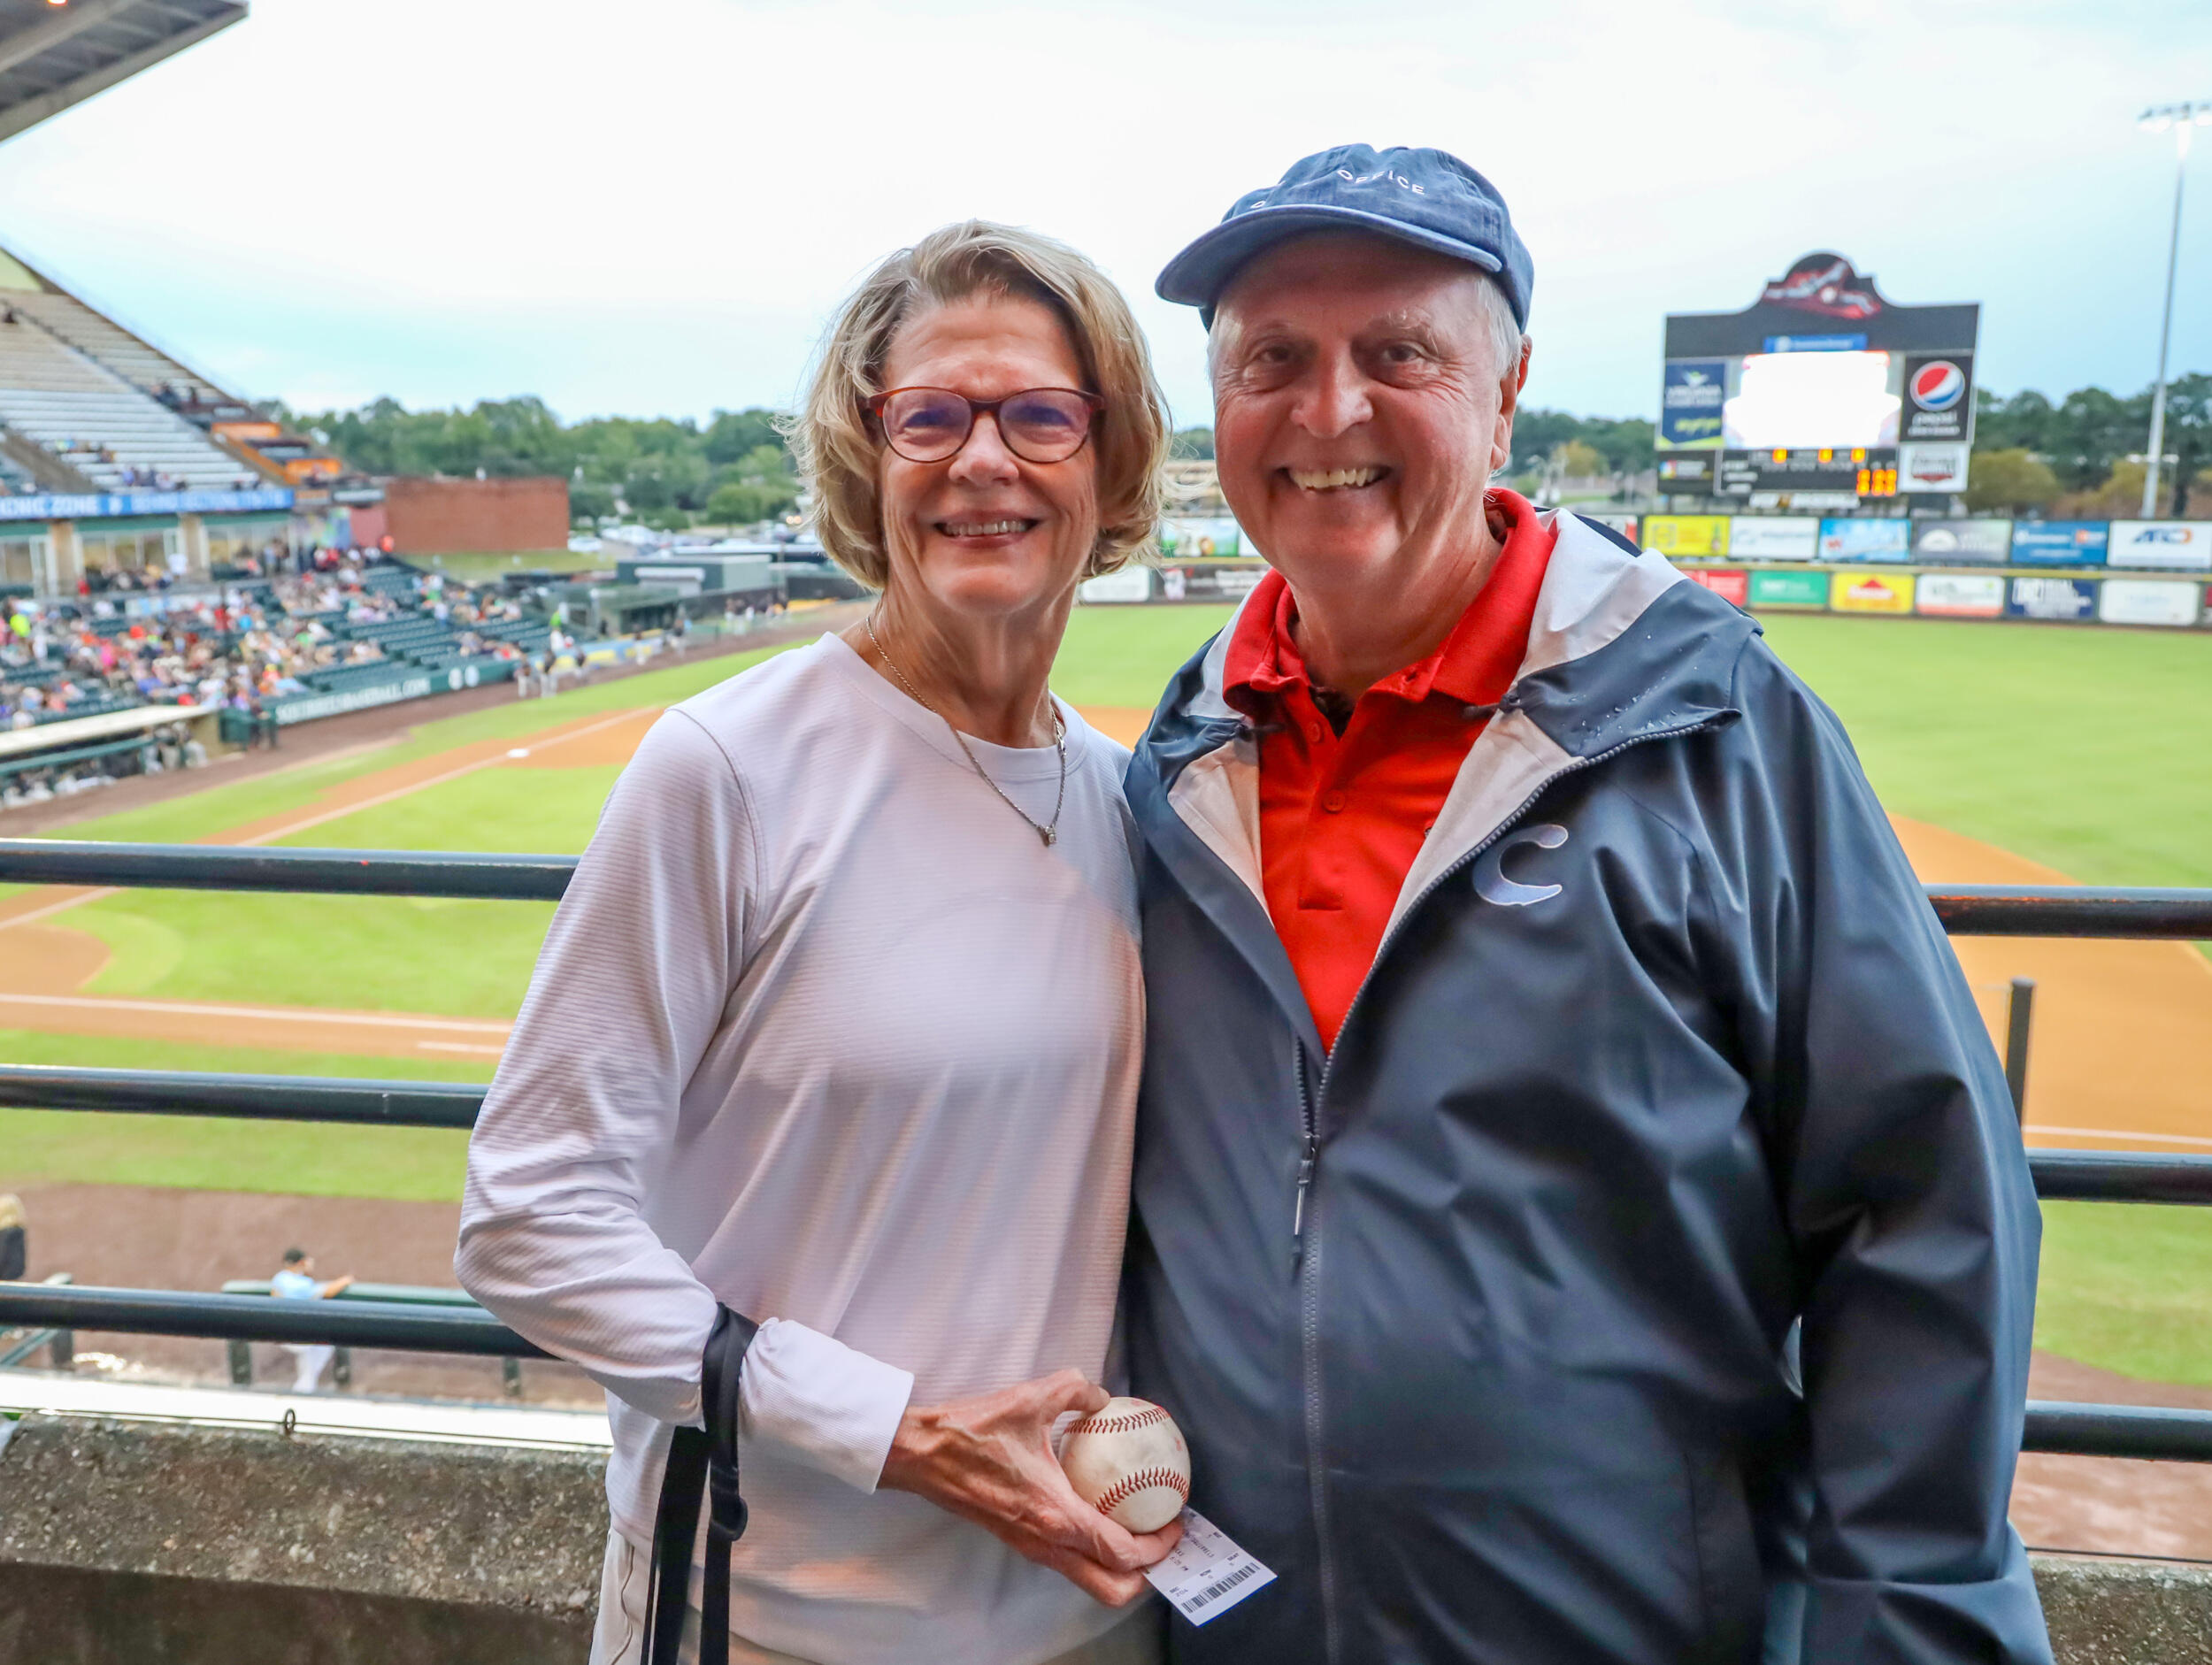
838	451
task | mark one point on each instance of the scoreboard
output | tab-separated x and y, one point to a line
1822	394
1860	470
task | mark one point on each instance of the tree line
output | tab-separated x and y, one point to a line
731	470
2068	458
2063	458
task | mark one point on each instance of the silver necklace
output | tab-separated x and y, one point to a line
1050	831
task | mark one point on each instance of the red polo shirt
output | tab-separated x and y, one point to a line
1343	817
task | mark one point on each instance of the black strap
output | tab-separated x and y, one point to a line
701	1462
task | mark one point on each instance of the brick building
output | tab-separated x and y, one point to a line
463	517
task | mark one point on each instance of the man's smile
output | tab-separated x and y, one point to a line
1319	479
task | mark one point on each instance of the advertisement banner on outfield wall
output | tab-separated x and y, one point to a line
1870	593
1789	589
1959	596
1853	539
2059	542
2147	601
2175	546
1686	534
1211	582
1128	584
1217	534
1773	537
1962	542
1732	584
2068	601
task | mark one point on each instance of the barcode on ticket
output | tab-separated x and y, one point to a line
1213	1592
1206	1574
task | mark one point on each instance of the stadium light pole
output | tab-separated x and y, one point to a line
2184	119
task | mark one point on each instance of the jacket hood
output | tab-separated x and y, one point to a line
1607	663
1621	649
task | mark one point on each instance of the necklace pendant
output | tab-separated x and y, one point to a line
1050	834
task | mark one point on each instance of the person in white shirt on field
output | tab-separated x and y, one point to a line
840	1021
296	1281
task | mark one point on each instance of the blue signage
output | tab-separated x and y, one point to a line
1690	404
2059	542
2068	601
1883	537
104	505
1815	343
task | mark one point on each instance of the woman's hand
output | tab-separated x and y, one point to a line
989	1460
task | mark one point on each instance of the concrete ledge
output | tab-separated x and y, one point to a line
158	1544
53	1615
510	1531
2109	1612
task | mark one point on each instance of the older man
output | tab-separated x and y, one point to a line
1544	1021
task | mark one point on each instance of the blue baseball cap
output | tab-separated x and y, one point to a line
1428	198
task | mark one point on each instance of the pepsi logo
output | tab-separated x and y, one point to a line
1938	386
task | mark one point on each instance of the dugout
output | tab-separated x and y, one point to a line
117	742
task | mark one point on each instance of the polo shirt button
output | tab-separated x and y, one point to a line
1334	803
1313	732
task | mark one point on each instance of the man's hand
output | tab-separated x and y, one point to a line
337	1285
989	1460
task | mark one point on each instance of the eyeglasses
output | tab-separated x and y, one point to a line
1039	425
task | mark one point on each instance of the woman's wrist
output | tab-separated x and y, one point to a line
914	1448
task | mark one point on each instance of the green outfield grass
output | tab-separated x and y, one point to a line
66	1148
2089	750
2128	1287
2084	750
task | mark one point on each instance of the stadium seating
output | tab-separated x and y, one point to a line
56	397
112	346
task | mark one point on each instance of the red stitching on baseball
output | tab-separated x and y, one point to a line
1141	1480
1120	1422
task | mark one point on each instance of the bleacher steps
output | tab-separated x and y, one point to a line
50	471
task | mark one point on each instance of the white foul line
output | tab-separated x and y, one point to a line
2116	1132
271	1013
57	906
340	813
316	820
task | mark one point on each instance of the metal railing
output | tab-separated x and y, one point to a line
2107	1430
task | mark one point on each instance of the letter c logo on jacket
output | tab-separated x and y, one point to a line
1492	885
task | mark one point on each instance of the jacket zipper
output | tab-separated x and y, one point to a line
1307	1251
1308	1264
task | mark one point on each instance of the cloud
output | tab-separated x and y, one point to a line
339	198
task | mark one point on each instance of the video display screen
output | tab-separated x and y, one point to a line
1813	399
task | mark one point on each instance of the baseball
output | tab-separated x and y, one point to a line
1128	1460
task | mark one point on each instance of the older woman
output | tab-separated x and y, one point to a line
839	1025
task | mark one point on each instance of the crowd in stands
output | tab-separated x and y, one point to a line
239	646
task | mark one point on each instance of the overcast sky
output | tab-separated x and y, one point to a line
651	208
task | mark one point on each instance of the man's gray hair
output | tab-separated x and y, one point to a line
1505	335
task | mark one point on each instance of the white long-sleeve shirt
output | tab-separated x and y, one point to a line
823	1031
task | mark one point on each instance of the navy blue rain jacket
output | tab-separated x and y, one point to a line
1480	1325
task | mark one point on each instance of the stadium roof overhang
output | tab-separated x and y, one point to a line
53	56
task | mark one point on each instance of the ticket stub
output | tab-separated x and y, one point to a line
1206	1574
